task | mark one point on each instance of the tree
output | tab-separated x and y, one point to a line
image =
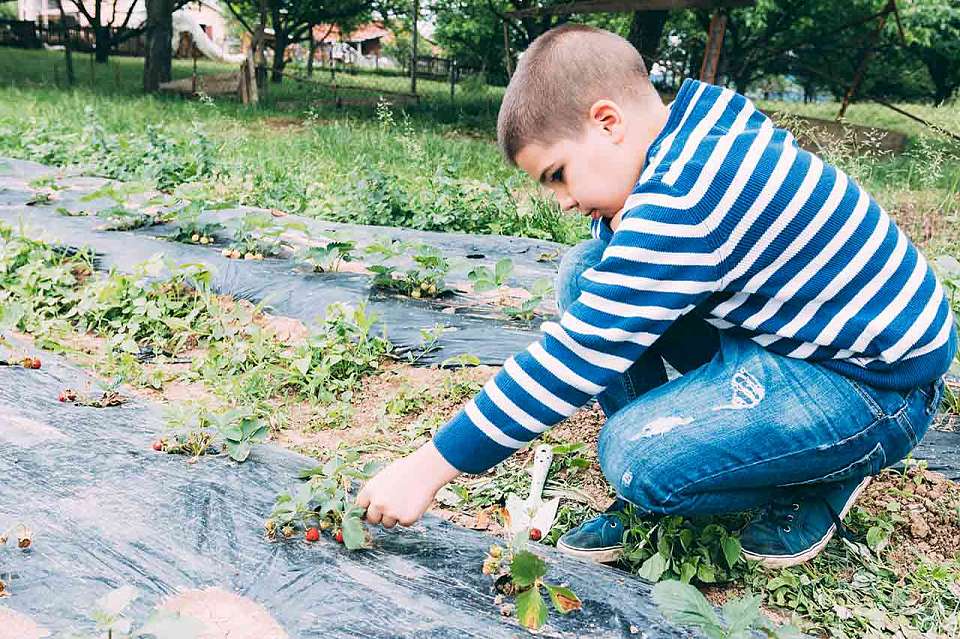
107	34
292	20
933	35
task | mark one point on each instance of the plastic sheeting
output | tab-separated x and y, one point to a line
106	510
287	288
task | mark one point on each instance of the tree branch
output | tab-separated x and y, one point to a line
236	15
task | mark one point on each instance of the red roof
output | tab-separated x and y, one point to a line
370	31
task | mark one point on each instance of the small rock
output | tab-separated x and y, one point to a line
507	609
498	600
918	526
634	630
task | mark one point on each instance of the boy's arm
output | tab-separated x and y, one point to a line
652	272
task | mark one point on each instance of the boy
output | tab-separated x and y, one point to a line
809	332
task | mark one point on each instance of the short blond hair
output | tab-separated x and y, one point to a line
558	78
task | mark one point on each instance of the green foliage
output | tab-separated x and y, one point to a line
527	309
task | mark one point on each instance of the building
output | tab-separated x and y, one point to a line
207	13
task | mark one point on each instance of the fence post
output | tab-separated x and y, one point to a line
413	55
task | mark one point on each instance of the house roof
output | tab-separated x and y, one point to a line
369	31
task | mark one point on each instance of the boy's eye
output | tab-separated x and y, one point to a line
557	175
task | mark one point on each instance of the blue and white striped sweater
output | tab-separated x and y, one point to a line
731	220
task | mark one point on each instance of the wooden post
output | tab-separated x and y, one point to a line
248	80
865	59
711	54
413	53
193	79
506	49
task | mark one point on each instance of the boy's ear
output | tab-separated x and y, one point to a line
606	115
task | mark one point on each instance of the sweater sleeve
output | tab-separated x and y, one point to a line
651	273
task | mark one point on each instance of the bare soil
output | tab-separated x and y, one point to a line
15	625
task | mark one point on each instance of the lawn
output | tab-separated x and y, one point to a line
429	165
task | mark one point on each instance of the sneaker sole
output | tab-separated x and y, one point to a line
785	561
598	555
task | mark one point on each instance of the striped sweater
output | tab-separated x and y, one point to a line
730	220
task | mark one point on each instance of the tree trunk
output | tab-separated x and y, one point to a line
279	48
102	45
311	51
646	29
159	36
67	47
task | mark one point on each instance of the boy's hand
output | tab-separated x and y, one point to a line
402	492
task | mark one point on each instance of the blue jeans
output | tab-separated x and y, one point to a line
741	426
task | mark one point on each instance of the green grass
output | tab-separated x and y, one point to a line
428	164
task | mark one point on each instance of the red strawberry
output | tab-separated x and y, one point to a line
157	445
313	534
535	534
339	536
35	363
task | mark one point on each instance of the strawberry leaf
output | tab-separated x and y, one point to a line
564	600
353	537
531	611
526	568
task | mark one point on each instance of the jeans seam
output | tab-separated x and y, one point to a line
727	471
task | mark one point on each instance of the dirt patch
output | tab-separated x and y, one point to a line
282	123
22	431
225	615
14	625
925	509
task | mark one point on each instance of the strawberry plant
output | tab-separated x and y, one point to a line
189	228
520	573
259	233
325	259
426	279
483	279
324	502
528	309
196	430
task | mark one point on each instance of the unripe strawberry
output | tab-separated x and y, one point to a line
194	238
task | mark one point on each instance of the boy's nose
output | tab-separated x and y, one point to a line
566	202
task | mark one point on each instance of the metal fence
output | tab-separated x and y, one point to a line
33	35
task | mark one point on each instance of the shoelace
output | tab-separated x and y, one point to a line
785	513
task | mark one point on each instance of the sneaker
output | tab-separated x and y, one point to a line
787	534
599	539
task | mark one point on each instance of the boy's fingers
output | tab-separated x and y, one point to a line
363	498
388	522
374	515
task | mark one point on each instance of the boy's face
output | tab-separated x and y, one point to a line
593	174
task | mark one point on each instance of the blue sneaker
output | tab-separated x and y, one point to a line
599	539
787	534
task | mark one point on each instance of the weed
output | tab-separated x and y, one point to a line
527	310
426	279
739	618
673	547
